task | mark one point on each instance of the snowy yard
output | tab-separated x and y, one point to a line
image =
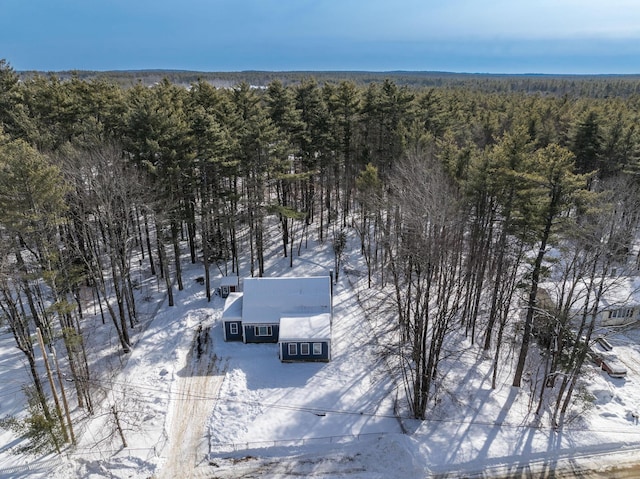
235	410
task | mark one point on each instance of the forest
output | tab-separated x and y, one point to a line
465	194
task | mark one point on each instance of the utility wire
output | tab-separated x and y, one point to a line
321	411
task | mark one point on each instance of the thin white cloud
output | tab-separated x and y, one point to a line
541	18
411	19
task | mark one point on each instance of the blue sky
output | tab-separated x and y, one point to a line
496	36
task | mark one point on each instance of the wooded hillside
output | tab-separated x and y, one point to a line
465	191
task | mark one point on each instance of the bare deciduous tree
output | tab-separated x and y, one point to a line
425	261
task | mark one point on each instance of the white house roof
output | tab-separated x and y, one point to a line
232	307
229	281
618	292
266	300
621	292
305	328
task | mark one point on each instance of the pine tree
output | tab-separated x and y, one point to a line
550	189
255	134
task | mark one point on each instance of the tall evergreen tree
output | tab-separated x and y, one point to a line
255	135
587	144
550	189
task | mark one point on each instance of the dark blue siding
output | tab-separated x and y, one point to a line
286	356
250	335
227	330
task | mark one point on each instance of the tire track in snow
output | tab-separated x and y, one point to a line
197	387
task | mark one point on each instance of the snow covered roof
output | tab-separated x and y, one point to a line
232	307
229	281
305	328
266	300
621	292
617	292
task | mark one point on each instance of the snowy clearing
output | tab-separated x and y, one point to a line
205	408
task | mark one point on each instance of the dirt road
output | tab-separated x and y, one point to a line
193	399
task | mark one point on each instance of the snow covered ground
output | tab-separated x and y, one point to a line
235	410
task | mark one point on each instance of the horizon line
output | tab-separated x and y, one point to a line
355	71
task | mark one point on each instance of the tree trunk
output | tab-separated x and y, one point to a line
176	254
531	304
152	265
165	270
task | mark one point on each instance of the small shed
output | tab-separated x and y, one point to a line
232	317
229	284
305	338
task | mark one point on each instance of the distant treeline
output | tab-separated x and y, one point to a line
594	86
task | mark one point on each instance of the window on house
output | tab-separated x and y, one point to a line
317	348
293	349
233	328
621	313
304	349
263	331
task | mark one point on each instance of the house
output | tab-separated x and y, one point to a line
296	313
619	302
232	317
305	338
228	284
